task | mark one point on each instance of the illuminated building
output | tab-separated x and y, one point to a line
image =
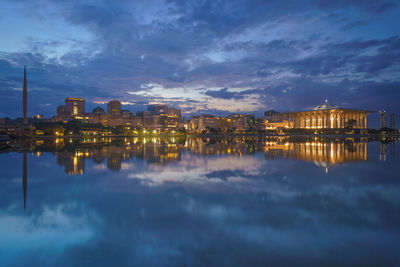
232	122
37	116
240	121
276	125
114	107
383	118
169	117
152	121
328	116
75	106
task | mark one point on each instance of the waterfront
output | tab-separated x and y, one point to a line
245	201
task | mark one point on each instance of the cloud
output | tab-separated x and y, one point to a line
107	50
223	93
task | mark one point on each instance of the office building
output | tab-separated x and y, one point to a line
383	118
114	107
75	106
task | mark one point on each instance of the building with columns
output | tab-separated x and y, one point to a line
328	116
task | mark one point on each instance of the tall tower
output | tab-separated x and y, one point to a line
392	121
25	99
383	118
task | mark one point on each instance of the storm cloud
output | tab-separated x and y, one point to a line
201	55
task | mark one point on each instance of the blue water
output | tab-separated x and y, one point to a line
200	202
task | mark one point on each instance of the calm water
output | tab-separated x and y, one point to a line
200	202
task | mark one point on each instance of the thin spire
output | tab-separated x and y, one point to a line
25	99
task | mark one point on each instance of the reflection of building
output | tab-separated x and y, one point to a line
328	116
322	153
74	162
220	147
383	152
113	154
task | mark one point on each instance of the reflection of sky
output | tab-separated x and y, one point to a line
213	210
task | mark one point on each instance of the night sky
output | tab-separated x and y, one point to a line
216	57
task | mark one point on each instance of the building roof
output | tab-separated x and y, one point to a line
325	105
74	99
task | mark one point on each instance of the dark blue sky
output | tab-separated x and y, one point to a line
201	56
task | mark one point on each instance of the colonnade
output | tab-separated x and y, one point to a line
327	119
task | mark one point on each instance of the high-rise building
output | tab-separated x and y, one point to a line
170	117
383	118
25	99
61	110
98	111
75	106
114	107
164	110
392	121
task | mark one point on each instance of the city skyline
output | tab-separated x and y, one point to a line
219	58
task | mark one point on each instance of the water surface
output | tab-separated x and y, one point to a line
200	202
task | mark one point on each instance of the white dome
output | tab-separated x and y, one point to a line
325	105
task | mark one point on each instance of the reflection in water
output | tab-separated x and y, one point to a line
382	155
324	153
214	202
156	150
24	176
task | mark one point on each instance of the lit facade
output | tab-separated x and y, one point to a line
383	118
162	116
75	106
330	117
114	107
207	121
